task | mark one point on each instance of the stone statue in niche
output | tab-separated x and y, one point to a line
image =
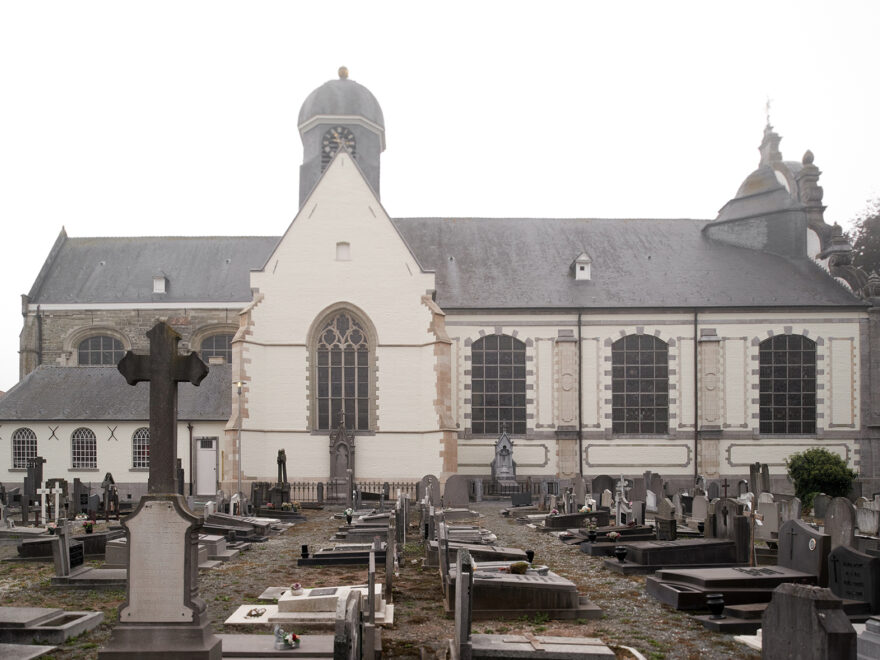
503	466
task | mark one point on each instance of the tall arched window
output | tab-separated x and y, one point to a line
498	385
639	385
787	384
83	449
140	448
342	359
100	350
24	447
217	346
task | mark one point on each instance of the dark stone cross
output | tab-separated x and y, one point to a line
834	561
725	486
164	367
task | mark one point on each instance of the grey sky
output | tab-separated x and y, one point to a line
170	118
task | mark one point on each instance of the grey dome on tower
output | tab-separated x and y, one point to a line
340	114
341	97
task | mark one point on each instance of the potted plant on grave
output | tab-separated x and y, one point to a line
267	505
348	514
296	589
554	512
613	536
286	506
88	526
296	506
52	527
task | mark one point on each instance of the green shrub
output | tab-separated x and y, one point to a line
819	471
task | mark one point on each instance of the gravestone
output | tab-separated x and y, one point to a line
803	548
700	508
765	498
869	640
503	466
658	485
868	521
607	499
456	491
820	505
713	492
650	501
853	575
342	459
580	490
162	615
600	484
771	519
429	487
840	522
638	490
807	623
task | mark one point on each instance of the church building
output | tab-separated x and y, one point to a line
600	346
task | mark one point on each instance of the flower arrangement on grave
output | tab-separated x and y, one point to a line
88	526
81	516
348	514
613	536
585	509
285	640
554	512
51	526
267	505
296	589
297	506
286	506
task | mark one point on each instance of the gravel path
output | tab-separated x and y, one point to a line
632	618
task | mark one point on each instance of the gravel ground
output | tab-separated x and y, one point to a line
632	618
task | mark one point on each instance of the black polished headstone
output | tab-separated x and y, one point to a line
853	575
803	548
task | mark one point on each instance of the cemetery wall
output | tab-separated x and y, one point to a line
113	444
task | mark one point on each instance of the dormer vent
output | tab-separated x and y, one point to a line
581	267
160	283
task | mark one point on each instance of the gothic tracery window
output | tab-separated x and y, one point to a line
498	385
639	385
343	373
787	384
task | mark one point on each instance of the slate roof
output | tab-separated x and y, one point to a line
121	270
480	263
524	263
98	393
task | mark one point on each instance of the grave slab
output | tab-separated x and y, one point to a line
24	651
25	625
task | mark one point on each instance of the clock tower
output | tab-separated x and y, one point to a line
340	114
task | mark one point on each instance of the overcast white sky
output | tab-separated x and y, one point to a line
179	118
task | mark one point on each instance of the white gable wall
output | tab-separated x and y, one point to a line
302	280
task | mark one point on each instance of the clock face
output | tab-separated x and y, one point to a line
335	139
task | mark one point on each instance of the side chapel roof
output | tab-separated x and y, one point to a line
98	393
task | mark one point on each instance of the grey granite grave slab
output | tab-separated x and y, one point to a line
649	556
24	651
533	646
868	644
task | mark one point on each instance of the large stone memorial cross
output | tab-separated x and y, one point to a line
57	491
164	367
163	616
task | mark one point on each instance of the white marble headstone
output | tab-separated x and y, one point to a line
157	564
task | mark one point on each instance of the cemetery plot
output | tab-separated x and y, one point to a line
25	625
650	556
